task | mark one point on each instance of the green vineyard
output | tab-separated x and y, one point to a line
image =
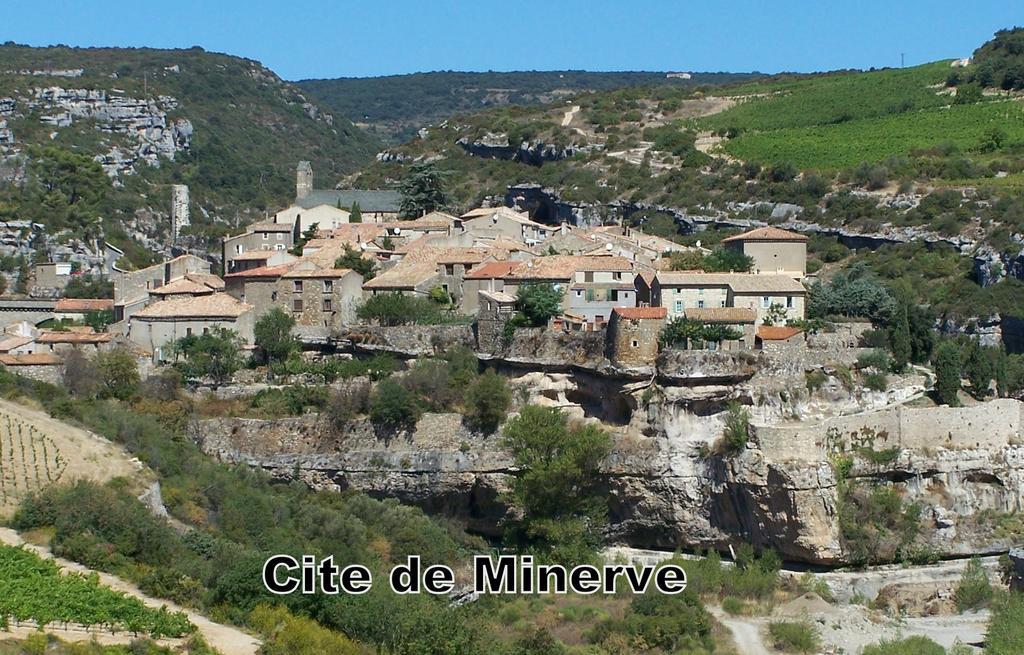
29	460
34	589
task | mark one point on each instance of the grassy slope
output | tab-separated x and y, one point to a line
839	120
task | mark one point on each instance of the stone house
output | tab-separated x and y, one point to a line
155	327
742	319
767	295
326	297
257	287
266	236
84	340
325	217
780	338
494	222
44	367
495	308
774	251
76	309
488	276
131	288
258	259
632	337
375	206
16	344
50	277
411	278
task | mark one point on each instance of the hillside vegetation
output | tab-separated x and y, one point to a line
249	130
393	107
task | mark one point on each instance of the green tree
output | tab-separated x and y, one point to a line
737	428
423	189
947	373
307	235
393	407
353	259
89	286
556	490
899	338
119	373
393	309
979	370
539	303
273	336
974	590
355	214
487	400
216	354
728	259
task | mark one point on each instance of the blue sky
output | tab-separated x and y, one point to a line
314	38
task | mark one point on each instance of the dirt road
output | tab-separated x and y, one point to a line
226	639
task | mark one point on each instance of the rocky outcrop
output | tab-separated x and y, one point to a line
144	123
535	153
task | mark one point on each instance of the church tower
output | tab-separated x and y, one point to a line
303	179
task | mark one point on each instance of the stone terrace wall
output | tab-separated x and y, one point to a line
994	425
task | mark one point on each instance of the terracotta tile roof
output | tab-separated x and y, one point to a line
209	279
31	359
12	342
498	296
777	332
355	232
721	314
318	273
84	305
738	282
640	312
55	336
491	270
262	271
181	286
404	275
562	267
217	305
766	234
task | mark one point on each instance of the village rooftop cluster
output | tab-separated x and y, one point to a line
610	278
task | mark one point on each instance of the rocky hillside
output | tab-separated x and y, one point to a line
228	127
394	107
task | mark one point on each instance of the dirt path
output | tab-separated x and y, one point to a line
226	639
746	632
569	114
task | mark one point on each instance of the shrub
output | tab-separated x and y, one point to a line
877	359
1005	634
733	605
815	380
487	401
793	636
346	403
393	407
672	623
737	428
539	303
119	373
876	381
752	578
916	645
974	589
81	376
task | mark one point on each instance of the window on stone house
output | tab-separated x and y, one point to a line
679	306
297	286
297	305
789	302
449	269
327	304
328	286
766	302
700	304
579	293
588	276
238	248
273	295
278	246
188	332
264	235
635	343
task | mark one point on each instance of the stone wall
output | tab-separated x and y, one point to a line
412	340
992	425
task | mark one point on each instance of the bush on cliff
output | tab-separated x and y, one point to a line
393	407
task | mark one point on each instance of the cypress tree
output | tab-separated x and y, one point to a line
979	371
899	338
947	373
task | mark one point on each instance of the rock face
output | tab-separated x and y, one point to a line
145	125
535	153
